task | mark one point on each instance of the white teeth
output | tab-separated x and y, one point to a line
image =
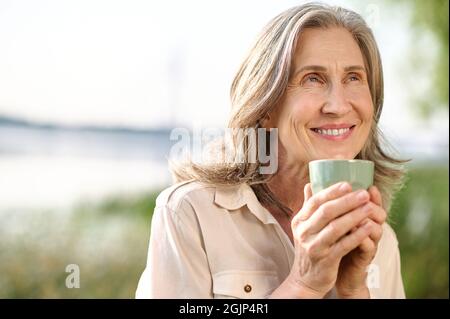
333	132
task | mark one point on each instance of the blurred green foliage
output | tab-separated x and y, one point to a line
137	204
430	18
419	216
110	251
109	242
433	16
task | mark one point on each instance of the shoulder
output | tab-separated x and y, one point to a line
180	195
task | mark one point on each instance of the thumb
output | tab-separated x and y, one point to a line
303	215
307	193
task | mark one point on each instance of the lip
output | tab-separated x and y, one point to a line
335	126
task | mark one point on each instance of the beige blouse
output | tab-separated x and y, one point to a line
220	242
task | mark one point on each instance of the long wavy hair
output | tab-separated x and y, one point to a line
261	83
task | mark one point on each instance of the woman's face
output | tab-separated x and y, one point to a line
327	109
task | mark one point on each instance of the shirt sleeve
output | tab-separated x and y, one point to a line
177	266
397	290
384	274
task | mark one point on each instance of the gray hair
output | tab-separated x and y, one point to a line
261	82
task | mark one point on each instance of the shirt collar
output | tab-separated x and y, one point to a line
237	196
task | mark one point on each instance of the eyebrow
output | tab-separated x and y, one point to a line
319	68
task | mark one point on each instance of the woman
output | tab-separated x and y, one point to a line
228	230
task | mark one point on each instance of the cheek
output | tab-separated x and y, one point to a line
303	107
364	106
365	111
296	114
368	109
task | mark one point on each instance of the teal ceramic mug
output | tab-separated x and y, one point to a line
326	172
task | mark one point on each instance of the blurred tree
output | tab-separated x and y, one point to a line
431	17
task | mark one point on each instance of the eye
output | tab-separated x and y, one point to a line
312	79
352	77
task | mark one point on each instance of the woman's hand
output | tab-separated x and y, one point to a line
351	281
322	236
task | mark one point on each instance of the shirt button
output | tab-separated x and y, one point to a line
247	288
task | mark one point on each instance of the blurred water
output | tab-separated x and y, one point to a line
52	167
80	142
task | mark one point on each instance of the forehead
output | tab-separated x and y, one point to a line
331	46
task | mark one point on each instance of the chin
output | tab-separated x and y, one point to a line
337	156
342	156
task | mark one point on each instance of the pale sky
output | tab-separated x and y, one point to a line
148	63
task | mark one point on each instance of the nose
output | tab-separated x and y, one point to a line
337	104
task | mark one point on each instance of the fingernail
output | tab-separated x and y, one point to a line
362	195
345	187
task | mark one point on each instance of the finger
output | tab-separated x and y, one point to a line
378	214
335	208
367	247
374	236
350	242
325	195
303	215
376	233
307	191
375	195
337	228
367	244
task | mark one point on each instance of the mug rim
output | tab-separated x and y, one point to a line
342	160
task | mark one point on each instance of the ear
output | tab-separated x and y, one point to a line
266	121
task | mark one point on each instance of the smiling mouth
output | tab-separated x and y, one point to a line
334	134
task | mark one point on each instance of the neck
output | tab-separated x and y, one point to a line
288	183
